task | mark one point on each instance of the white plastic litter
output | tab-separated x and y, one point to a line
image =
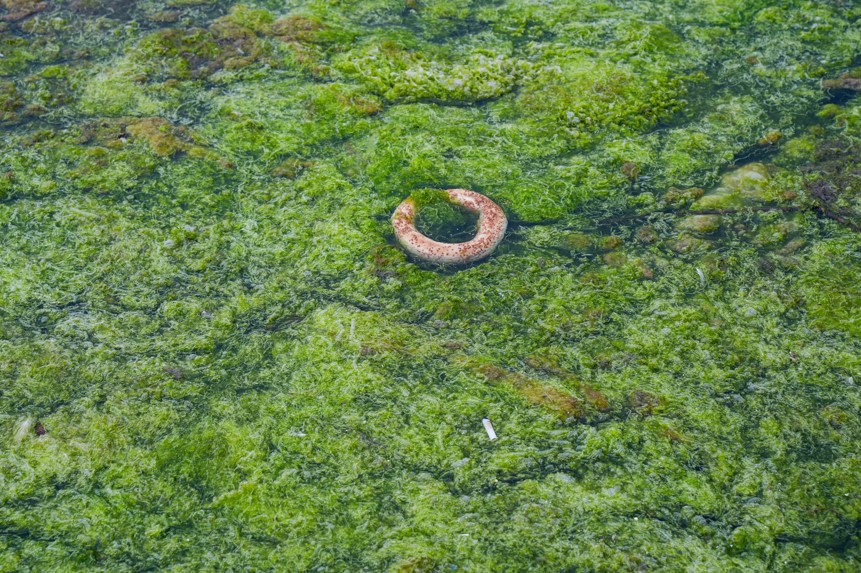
489	428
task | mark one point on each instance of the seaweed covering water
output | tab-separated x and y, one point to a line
214	357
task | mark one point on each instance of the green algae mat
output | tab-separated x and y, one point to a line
215	357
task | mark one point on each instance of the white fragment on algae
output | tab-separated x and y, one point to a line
23	429
489	428
702	276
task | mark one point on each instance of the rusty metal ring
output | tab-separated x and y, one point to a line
491	228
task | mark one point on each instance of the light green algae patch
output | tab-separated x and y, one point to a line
213	355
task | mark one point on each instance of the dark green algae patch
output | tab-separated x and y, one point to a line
214	358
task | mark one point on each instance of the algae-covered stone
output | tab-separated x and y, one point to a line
749	180
162	137
291	168
647	234
770	138
610	243
776	233
743	186
678	197
615	259
646	403
701	224
687	243
718	200
400	74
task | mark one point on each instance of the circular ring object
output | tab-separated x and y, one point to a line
491	228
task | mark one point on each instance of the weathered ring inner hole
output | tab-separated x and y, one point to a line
446	222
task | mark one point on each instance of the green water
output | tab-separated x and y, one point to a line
215	357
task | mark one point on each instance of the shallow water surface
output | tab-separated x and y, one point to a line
215	357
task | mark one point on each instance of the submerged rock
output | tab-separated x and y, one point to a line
677	197
687	243
702	224
848	81
743	186
647	234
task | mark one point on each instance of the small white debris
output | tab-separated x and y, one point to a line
488	427
26	425
79	212
702	276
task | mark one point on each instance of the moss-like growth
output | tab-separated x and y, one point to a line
400	74
554	400
197	53
159	134
213	354
829	287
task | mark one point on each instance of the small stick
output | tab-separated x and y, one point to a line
842	220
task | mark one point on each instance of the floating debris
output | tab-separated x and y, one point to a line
491	229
